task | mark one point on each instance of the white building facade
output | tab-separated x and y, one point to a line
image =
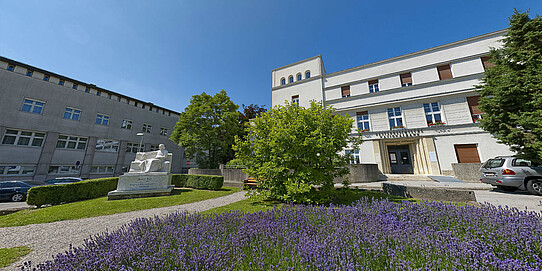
418	112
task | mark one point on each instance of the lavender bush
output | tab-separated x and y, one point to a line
369	235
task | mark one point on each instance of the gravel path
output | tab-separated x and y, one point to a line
49	239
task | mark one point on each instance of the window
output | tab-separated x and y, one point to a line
362	118
290	79
87	90
406	79
102	119
299	77
107	145
72	113
295	99
29	73
155	147
23	138
473	106
147	128
32	106
109	95
354	156
163	131
126	124
395	118
17	170
518	162
307	74
65	170
486	62
46	78
74	86
102	169
133	147
345	90
98	93
432	114
282	81
373	86
71	142
61	82
11	67
444	72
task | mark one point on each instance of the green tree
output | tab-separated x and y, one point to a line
290	150
207	128
511	91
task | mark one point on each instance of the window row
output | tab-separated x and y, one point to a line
76	170
36	107
17	170
89	89
444	72
298	76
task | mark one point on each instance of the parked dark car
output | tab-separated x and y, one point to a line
510	173
16	190
63	180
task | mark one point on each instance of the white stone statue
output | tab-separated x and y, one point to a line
153	161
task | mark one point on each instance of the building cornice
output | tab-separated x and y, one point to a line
298	62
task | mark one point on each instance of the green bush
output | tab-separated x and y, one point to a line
179	180
56	194
211	182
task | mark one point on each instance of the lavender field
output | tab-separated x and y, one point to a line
369	235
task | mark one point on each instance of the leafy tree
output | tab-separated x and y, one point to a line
290	149
207	128
251	111
511	91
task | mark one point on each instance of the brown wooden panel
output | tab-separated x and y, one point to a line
362	113
486	61
372	82
406	78
467	153
473	104
345	90
444	72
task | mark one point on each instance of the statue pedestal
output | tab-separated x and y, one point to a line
139	185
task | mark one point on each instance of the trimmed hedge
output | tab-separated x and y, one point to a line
179	180
64	193
211	182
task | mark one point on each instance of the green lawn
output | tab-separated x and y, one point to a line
11	255
101	206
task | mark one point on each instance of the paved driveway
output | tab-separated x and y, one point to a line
8	205
519	199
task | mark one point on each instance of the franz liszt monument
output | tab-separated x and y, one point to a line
149	175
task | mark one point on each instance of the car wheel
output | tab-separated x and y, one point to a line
534	186
17	197
508	188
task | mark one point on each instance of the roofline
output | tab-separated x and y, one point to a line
494	33
298	62
17	63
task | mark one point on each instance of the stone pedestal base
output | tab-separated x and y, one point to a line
138	185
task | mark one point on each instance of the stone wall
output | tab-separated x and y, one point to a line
202	171
430	193
467	172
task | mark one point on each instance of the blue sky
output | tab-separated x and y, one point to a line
166	51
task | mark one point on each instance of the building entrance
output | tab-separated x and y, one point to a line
400	159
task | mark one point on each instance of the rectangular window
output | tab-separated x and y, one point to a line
432	114
46	78
373	86
362	118
444	72
147	128
133	147
71	142
107	145
163	131
155	147
11	67
395	118
102	119
126	124
17	170
345	90
486	62
23	138
102	169
64	169
406	79
29	73
32	106
353	156
72	113
295	99
473	106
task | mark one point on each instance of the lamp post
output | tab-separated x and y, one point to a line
140	141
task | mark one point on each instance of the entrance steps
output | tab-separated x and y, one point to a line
407	177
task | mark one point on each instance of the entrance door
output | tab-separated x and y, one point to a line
400	159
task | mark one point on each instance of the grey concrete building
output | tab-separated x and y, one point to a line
53	126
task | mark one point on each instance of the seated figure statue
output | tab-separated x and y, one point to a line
153	161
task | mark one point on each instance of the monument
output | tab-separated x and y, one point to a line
149	176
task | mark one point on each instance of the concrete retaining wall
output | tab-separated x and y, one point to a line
234	175
467	172
440	194
201	171
362	173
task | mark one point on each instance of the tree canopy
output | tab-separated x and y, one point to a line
207	128
290	150
511	91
